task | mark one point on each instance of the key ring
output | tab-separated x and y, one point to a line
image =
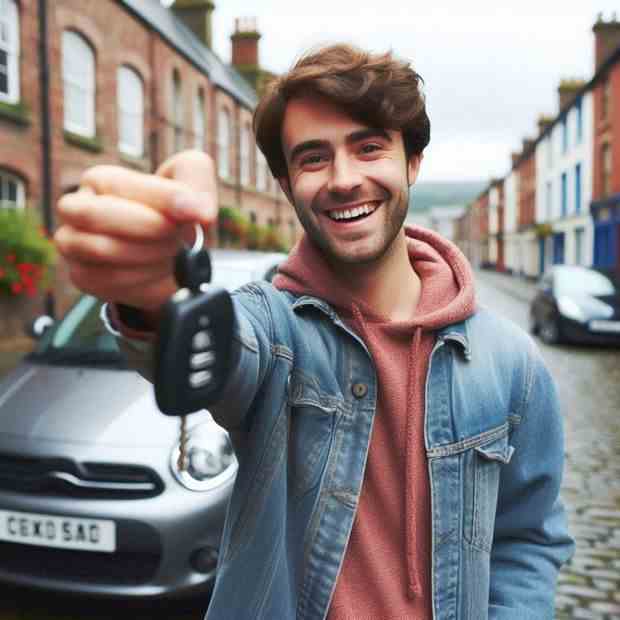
199	240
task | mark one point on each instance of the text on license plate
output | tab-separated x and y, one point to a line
53	531
605	326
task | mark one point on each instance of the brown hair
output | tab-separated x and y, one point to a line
376	89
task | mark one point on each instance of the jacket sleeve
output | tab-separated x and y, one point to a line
531	539
251	354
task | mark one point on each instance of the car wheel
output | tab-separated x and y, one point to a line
550	331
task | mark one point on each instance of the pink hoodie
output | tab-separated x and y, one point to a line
386	570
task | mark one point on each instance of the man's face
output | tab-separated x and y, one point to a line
349	183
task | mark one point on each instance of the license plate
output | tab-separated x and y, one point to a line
605	326
28	528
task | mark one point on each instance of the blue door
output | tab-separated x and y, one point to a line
604	251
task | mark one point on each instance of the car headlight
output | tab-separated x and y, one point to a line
210	458
569	308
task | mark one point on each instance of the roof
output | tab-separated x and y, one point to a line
180	37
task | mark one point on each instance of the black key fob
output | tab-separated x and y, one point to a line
193	348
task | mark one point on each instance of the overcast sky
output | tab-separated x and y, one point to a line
490	68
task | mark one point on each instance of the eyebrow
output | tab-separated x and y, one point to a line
352	138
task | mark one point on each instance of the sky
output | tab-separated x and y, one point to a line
490	68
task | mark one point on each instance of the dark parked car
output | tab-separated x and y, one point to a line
577	304
91	498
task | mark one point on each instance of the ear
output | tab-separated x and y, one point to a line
413	167
285	186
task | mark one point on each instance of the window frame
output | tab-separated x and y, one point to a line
7	176
176	107
12	50
224	143
245	147
137	115
200	125
87	85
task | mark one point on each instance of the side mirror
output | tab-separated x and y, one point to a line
38	326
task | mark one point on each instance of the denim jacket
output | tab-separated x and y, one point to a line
299	407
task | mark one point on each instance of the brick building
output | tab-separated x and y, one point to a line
605	207
127	82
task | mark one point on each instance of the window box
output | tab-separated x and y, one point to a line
15	112
93	145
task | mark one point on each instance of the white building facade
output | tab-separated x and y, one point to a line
564	187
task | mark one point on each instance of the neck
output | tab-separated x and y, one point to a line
389	285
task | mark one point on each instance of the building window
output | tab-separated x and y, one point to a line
606	98
199	120
130	101
578	188
223	141
565	134
579	132
564	196
177	110
262	180
12	193
579	236
606	170
78	76
246	133
9	51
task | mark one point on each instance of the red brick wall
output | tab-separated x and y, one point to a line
526	198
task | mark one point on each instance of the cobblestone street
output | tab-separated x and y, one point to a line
588	380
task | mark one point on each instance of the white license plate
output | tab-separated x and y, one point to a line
28	528
605	326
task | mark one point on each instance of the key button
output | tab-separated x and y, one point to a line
202	340
200	360
199	379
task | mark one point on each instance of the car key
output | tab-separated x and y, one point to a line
193	348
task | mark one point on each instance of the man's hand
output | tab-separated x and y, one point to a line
121	229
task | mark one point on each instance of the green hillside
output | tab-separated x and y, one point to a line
444	193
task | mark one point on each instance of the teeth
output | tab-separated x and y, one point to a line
348	214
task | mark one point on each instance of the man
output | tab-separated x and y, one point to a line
400	451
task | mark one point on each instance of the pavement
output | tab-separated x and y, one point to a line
518	287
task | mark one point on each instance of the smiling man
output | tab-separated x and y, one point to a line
400	450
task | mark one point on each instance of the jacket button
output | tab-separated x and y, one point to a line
359	390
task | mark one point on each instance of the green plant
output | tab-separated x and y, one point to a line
27	255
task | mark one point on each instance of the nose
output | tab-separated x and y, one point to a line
344	175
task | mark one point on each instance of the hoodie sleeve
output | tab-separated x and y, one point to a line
531	540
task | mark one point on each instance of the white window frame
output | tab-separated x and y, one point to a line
78	78
224	134
7	177
200	133
262	181
130	108
9	43
177	111
245	146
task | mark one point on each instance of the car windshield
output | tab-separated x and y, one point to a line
80	337
581	281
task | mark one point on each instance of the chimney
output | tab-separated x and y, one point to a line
245	44
567	90
543	123
606	38
196	15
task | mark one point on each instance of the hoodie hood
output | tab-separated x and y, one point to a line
447	284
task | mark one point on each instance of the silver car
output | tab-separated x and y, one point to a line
91	499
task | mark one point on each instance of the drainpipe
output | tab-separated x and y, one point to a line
46	160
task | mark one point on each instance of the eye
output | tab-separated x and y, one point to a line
312	160
370	148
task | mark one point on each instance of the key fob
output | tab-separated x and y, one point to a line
193	348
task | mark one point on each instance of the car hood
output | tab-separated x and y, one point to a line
62	403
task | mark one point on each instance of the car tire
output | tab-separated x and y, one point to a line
533	325
549	331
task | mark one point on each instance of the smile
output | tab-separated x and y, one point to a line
355	213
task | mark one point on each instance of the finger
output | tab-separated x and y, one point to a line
113	215
168	196
143	289
77	245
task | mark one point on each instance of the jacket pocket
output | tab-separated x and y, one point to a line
312	417
482	469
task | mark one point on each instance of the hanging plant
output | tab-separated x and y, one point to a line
27	255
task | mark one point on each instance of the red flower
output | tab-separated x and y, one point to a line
16	287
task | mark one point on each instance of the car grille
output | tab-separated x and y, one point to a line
67	478
135	562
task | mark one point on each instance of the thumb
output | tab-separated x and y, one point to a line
195	171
